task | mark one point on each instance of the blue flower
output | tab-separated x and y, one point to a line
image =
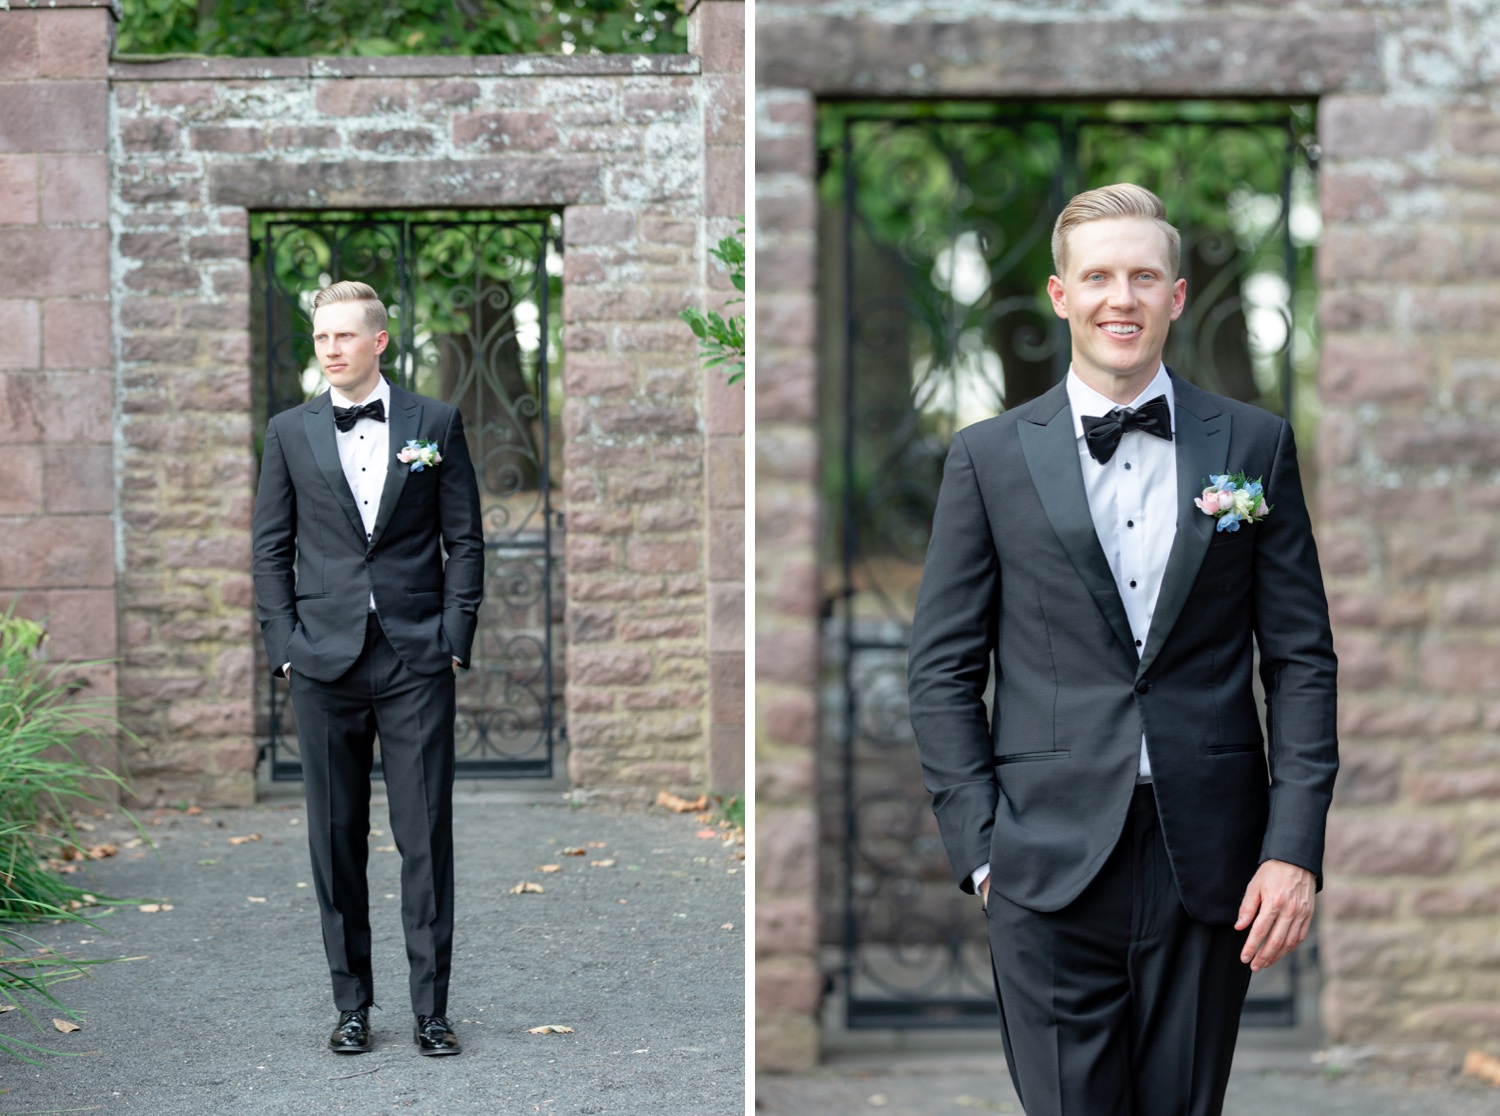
1229	521
1220	480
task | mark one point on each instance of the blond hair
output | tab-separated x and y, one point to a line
349	291
1123	199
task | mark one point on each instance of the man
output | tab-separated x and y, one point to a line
362	491
1116	812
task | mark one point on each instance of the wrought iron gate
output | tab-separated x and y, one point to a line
936	226
475	318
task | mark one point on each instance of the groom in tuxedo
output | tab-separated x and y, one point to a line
363	490
1139	847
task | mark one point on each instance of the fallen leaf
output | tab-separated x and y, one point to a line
727	926
601	864
1484	1066
550	868
527	888
550	1029
574	850
7	1007
243	840
65	1027
707	833
99	852
598	844
682	805
256	898
193	810
134	843
154	908
385	848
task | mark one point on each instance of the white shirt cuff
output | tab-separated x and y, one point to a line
979	875
286	670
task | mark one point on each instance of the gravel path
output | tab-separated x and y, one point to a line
230	1007
935	1086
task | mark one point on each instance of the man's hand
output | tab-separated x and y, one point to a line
455	666
984	892
1278	908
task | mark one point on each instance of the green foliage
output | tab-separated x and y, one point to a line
42	716
732	810
297	28
721	341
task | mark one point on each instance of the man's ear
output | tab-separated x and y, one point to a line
1060	299
1179	298
382	339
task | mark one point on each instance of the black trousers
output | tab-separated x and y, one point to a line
337	723
1119	1004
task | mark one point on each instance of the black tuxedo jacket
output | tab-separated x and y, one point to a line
1015	577
315	570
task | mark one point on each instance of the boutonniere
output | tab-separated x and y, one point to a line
1233	500
419	454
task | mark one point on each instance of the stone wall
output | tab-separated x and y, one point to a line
1406	500
125	193
57	396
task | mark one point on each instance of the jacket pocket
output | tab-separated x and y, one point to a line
1230	749
312	596
1028	757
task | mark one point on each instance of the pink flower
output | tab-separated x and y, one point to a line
407	455
1225	499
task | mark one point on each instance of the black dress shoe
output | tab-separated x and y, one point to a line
434	1035
352	1035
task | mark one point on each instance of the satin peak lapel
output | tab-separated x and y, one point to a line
1051	451
405	420
317	420
1202	438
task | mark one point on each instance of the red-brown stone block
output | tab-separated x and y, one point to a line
786	926
20	328
20	57
505	131
75	333
79	479
1373	371
21	484
18	189
1461	668
1352	127
786	851
75	189
787	984
51	262
609	668
53	116
1391	846
57	552
360	97
74	43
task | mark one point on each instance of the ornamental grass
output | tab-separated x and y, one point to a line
45	714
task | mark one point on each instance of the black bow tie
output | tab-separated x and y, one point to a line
1103	434
345	417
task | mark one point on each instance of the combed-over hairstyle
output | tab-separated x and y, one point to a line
349	291
1123	199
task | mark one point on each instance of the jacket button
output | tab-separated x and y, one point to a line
1142	686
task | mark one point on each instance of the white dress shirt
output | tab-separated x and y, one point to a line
1133	501
364	452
